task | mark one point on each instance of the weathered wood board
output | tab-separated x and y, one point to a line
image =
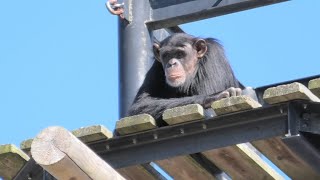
241	164
184	168
276	151
314	86
137	123
288	92
234	104
12	159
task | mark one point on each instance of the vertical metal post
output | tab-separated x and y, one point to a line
135	55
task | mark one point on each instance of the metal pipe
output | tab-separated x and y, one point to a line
135	55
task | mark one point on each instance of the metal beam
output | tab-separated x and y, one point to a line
167	13
194	137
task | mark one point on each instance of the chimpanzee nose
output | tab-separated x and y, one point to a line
172	62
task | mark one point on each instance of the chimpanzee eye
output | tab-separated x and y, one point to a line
180	54
164	56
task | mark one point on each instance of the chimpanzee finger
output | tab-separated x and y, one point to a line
225	94
238	92
232	91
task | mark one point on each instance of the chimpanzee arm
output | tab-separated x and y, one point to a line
156	106
144	103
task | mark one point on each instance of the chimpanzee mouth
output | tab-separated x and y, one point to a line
174	77
175	81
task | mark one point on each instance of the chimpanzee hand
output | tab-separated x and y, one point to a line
224	94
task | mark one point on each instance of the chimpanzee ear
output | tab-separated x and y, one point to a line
156	51
201	47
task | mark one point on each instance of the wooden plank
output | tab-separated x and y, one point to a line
181	114
288	92
137	123
133	124
136	173
240	162
25	146
276	151
85	134
92	133
234	104
65	157
314	86
184	168
12	159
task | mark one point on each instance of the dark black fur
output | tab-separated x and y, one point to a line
213	75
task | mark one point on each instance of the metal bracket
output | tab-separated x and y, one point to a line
310	119
115	8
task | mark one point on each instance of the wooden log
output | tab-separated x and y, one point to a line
85	134
314	86
181	114
65	157
288	92
133	124
12	159
234	104
95	133
277	152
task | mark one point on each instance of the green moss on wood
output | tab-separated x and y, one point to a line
133	124
92	133
26	145
288	92
183	114
314	86
12	160
234	104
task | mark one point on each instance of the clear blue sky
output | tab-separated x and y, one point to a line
59	59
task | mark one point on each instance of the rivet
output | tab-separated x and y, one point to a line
134	141
204	126
155	136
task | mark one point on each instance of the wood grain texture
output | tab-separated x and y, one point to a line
314	86
184	168
234	104
85	134
241	164
92	133
136	172
276	151
288	92
65	157
182	114
133	124
12	159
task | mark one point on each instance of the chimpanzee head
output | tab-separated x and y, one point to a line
179	55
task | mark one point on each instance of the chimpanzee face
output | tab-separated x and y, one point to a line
179	59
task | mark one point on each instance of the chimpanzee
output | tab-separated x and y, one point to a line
186	70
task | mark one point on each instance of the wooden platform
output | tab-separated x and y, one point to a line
232	155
